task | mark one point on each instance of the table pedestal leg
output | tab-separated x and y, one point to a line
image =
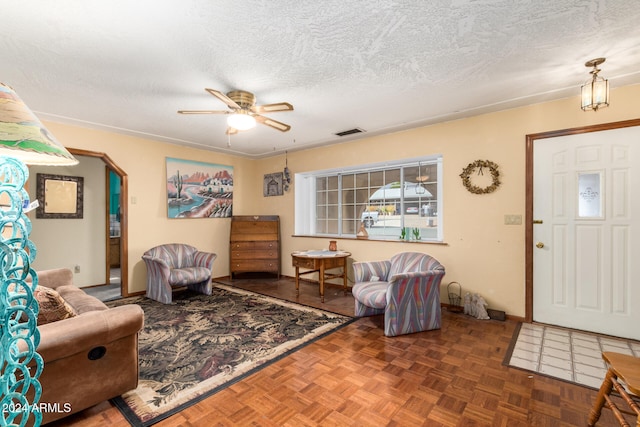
344	278
297	281
321	282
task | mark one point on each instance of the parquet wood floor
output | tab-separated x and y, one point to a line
359	377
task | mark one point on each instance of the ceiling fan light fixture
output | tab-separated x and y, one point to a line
241	121
595	91
244	112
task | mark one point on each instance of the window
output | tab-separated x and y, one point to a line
384	197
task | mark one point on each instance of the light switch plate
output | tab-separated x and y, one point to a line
513	219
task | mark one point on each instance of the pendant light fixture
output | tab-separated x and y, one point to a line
595	91
421	180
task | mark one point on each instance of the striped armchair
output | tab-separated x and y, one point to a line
176	265
406	289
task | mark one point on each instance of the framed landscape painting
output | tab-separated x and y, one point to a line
198	190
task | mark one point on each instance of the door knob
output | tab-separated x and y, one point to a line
539	245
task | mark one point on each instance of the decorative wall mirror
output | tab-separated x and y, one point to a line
59	196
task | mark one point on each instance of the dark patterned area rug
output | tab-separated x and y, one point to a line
201	344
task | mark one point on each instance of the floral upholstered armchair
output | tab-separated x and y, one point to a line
406	289
176	265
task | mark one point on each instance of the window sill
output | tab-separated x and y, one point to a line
370	239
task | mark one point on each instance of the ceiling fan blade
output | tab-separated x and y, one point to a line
224	98
203	112
272	108
231	131
282	127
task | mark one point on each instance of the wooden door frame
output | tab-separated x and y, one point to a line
530	141
124	216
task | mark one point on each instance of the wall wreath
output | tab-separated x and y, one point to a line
479	165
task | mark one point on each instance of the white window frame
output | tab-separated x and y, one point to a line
305	196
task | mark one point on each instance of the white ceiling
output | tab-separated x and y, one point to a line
382	66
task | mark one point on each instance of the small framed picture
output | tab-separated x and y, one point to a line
272	185
59	196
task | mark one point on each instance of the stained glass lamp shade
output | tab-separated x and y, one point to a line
23	139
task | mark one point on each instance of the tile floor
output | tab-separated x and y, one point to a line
108	292
566	354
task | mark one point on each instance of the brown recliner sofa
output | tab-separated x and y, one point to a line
88	358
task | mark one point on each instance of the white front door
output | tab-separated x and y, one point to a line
586	232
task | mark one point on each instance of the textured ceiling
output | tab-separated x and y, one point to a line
128	66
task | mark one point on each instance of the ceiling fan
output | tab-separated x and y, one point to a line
244	113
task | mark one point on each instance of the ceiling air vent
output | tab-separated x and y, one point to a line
349	132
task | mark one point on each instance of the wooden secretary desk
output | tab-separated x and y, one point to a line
254	244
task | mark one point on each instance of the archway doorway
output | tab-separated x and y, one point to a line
123	218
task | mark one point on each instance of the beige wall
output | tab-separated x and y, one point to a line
481	253
144	163
52	236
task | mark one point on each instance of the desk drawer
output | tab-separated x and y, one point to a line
252	246
304	263
254	265
254	254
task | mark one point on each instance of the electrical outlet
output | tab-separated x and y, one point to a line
76	269
513	219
